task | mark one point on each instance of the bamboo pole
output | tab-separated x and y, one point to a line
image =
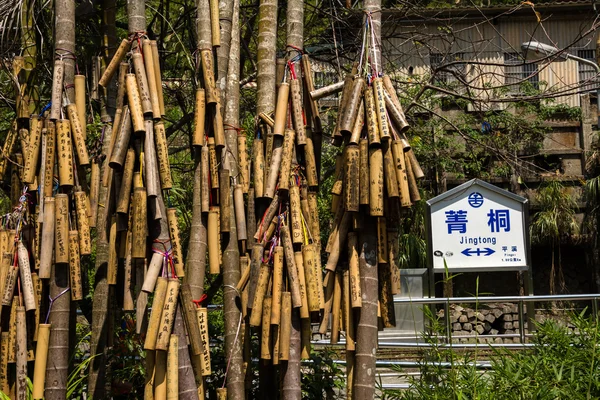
57	89
261	290
32	156
286	323
265	337
299	261
176	255
85	241
114	63
139	223
376	182
160	376
135	104
61	225
213	241
113	262
155	315
78	135
21	353
382	119
167	318
286	160
401	176
75	266
80	97
206	58
292	270
41	358
65	154
173	369
47	245
199	118
157	76
126	183
202	314
122	137
149	64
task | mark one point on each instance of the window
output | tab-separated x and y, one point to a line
515	71
449	74
587	72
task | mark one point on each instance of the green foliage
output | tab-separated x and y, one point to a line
559	365
556	216
322	377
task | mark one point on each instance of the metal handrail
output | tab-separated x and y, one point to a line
497	299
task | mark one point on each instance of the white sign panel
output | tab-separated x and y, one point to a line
478	226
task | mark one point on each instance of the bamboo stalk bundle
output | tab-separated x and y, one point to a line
391	181
394	107
401	176
351	108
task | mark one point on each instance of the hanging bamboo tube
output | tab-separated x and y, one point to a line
259	296
389	170
315	229
33	153
356	133
397	113
206	57
214	23
352	106
382	120
299	261
75	267
355	288
373	132
258	164
202	314
126	183
160	292
47	245
113	259
65	154
313	289
135	103
281	109
416	168
150	167
119	152
48	166
4	386
21	354
128	303
267	216
382	250
78	135
352	178
224	200
267	120
338	242
80	102
199	118
114	63
157	76
376	182
286	160
25	274
243	164
292	271
213	165
296	215
162	152
85	241
57	89
213	240
265	337
142	82
218	128
176	255
286	326
205	171
298	118
191	319
168	315
10	283
412	182
327	90
240	213
274	168
173	368
12	331
160	376
150	370
151	77
277	285
61	226
401	177
139	223
348	313
364	185
7	149
41	358
158	263
311	165
336	308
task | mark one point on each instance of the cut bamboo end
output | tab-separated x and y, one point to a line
114	63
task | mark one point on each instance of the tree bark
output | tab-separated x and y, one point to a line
366	333
232	102
226	9
291	370
187	381
267	45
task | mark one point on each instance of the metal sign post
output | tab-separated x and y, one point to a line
478	227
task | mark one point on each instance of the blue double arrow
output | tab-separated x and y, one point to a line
485	252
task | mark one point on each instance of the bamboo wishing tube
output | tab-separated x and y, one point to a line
382	249
355	288
21	353
162	153
119	153
10	284
157	265
286	326
199	118
61	226
356	133
313	289
85	241
213	165
265	337
240	212
33	153
114	63
7	148
299	261
292	271
264	117
149	384
336	308
378	92
277	285
176	254
128	302
412	182
214	23
311	164
160	375
26	281
397	114
160	292
142	81
259	296
298	118
296	215
113	260
351	107
202	314
47	245
214	266
135	103
224	201
205	171
139	223
191	319
65	154
150	167
78	135
348	313
274	168
243	164
315	227
167	317
80	102
57	89
389	169
173	368
364	172
126	183
376	182
258	164
352	178
401	176
338	242
49	160
416	168
371	117
157	76
75	267
218	128
327	90
286	160
41	358
151	77
206	57
281	109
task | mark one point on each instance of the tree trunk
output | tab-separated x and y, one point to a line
232	102
187	380
226	9
267	46
366	333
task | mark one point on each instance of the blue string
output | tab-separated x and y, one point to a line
46	107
